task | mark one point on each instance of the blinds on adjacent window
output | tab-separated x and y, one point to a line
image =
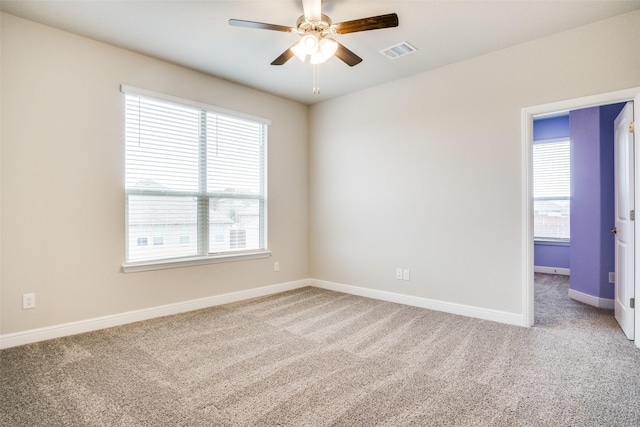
194	180
552	189
551	169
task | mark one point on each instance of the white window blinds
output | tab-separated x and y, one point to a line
194	180
552	189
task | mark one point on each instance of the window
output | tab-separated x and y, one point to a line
551	190
192	174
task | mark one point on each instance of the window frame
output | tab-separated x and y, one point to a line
551	241
204	257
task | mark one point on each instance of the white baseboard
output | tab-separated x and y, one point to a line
88	325
447	307
591	300
66	329
551	270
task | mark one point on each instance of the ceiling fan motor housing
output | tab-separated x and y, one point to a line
322	27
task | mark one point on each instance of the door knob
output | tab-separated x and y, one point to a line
614	230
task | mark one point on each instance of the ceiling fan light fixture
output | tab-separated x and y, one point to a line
309	44
318	58
328	47
299	52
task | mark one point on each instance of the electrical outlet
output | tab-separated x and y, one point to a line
612	277
399	273
276	266
406	274
28	301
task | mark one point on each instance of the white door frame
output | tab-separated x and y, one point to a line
528	113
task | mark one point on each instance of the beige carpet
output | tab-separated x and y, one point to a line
313	357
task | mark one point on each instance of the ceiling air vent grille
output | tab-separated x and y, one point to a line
398	50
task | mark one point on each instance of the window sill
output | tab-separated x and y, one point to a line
551	242
135	267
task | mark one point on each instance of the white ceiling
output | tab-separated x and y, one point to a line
196	34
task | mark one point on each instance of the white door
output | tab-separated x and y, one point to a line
624	206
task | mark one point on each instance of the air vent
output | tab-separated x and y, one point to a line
396	51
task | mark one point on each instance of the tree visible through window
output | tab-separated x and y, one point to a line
194	181
551	190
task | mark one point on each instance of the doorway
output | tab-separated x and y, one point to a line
528	115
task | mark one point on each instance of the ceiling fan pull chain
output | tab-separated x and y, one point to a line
316	80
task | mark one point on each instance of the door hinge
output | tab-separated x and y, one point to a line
632	303
632	127
632	215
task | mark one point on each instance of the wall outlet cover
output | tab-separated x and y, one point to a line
28	301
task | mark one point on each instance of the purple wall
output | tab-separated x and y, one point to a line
592	251
550	255
545	254
585	200
551	128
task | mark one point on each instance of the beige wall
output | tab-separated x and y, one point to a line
425	173
62	181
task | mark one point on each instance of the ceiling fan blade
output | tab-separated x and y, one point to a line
286	55
347	56
260	25
312	10
365	24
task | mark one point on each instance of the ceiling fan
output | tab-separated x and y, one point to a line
315	28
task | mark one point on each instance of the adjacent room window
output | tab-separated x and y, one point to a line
194	180
551	190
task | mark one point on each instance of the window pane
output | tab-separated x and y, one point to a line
234	155
161	145
552	189
234	224
551	219
551	169
161	227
